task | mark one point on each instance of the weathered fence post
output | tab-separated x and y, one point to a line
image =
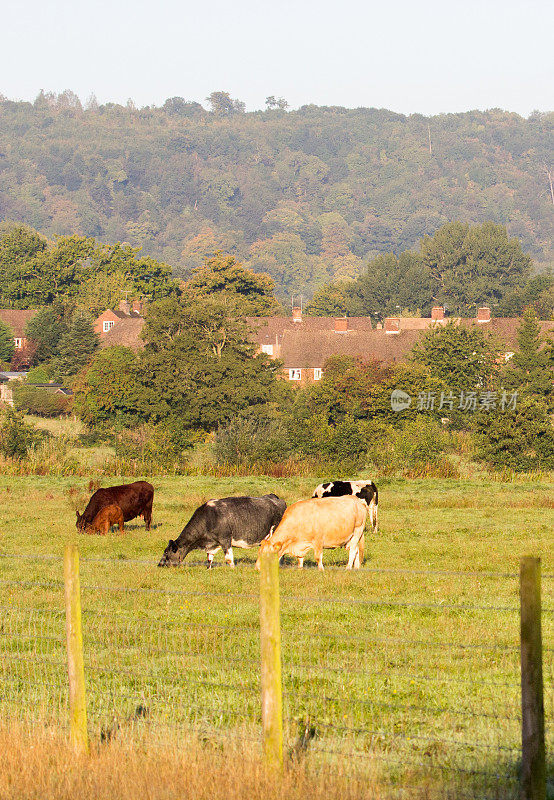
270	646
533	762
75	663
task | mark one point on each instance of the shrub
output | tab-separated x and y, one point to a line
39	401
521	440
250	437
161	444
415	449
15	436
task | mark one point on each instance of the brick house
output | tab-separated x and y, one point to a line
122	326
305	343
17	321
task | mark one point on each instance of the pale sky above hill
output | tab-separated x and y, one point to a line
426	56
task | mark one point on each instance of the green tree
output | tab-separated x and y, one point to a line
531	370
223	274
7	345
461	357
15	436
223	104
199	363
108	389
46	329
520	439
77	346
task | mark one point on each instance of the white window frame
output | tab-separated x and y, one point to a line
318	373
18	343
267	349
295	374
107	325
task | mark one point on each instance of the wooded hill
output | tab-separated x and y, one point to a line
307	196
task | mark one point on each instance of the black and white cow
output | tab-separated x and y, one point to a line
220	524
365	490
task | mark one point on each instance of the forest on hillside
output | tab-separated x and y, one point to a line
307	196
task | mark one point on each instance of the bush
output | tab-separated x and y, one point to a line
249	438
521	440
416	449
39	401
162	444
15	436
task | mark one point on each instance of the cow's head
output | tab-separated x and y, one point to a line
80	523
172	556
366	494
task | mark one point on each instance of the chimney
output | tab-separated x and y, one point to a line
137	306
341	324
484	314
125	306
437	312
297	314
392	325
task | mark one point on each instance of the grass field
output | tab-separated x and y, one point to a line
407	670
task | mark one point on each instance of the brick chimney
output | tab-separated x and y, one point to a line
341	324
392	325
297	314
125	306
137	306
437	312
484	314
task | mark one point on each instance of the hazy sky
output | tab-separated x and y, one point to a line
406	55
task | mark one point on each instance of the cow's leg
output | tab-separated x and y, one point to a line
147	514
229	557
355	546
318	553
210	555
359	559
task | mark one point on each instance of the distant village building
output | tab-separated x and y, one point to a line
17	321
122	326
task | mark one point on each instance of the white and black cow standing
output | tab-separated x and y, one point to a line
365	490
220	524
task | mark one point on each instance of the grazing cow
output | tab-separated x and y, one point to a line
365	490
318	524
220	524
103	521
134	499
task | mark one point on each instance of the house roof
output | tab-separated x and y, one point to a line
17	320
308	349
125	333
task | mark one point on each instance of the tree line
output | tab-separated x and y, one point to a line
307	196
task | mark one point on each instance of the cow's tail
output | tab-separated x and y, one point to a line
375	509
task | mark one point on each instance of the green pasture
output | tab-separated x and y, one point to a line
407	667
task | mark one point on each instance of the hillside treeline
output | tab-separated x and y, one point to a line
307	196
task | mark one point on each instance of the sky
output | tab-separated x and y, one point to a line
410	56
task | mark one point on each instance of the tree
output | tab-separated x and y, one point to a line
530	370
77	346
223	104
46	329
333	300
200	365
474	265
521	439
20	247
108	389
223	274
7	345
463	358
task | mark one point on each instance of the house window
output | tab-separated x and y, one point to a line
318	372
107	325
18	343
267	348
295	374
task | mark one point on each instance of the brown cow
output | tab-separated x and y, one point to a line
318	524
134	499
103	521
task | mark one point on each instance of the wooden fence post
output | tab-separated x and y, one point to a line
75	663
270	647
533	761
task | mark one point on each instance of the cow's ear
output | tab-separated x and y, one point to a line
172	546
78	515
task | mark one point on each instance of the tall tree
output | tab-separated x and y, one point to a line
530	370
7	344
77	346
